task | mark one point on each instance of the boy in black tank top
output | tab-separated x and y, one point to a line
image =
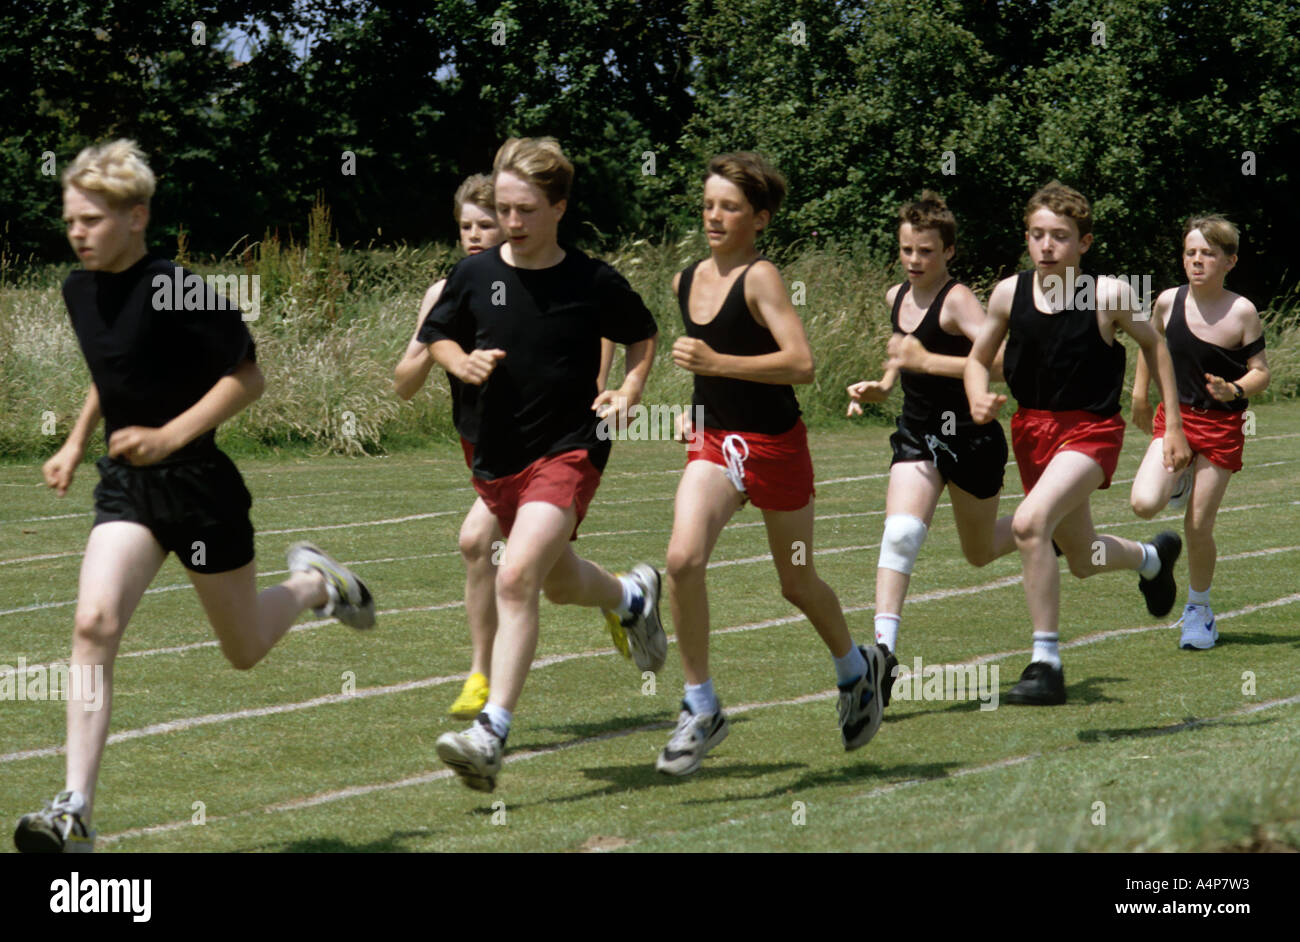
163	379
475	213
937	442
746	346
537	312
1065	366
1216	341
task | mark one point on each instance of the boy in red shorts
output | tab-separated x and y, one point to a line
475	211
745	344
1216	342
163	379
1065	366
536	313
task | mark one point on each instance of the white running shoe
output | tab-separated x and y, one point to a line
643	634
57	829
475	755
1199	631
862	703
691	741
349	599
1182	490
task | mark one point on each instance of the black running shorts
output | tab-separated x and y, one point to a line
974	457
196	507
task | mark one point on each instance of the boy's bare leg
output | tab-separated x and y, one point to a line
790	537
539	538
705	501
478	534
1198	522
248	623
1057	508
984	535
121	560
1153	485
914	490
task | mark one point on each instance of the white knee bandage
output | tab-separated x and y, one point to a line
901	542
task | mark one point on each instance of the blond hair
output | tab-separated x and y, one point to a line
539	161
477	190
1064	201
1217	231
117	170
763	185
930	212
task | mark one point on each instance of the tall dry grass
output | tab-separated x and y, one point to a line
333	323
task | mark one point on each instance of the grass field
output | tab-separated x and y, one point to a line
1174	745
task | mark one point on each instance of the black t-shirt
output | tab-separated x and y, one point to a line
154	351
549	321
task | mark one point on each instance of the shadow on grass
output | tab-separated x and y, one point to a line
1255	637
1191	723
845	775
619	725
395	843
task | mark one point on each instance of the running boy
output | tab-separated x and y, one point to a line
536	312
935	320
1065	366
746	346
475	213
162	380
1216	342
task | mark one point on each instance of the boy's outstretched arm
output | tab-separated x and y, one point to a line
984	404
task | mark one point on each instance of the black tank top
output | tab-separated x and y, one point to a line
1059	362
1194	357
737	405
927	397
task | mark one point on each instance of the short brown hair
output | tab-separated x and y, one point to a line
476	190
762	184
930	212
538	160
1217	231
1064	201
117	170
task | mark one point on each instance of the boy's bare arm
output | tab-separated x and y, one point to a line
414	367
987	346
62	465
229	396
1122	308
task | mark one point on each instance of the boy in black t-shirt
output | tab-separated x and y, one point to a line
164	376
537	313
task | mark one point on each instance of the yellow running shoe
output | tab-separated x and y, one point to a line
617	633
473	697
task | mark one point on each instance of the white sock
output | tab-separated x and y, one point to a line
1150	567
1198	598
1046	647
499	719
851	666
700	698
887	632
633	599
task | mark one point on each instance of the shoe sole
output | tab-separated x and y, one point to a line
470	775
36	840
876	708
710	744
1191	646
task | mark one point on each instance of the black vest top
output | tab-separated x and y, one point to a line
737	405
1060	362
927	397
1194	357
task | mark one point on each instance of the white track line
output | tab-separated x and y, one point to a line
426	778
405	686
